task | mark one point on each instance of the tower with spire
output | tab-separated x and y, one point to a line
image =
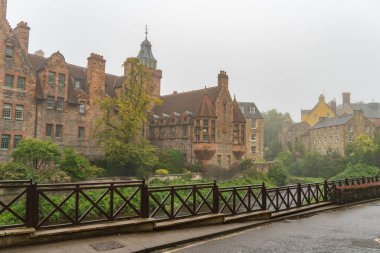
145	55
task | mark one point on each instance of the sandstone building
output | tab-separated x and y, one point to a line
49	98
254	132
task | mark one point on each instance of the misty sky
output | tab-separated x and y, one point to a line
278	53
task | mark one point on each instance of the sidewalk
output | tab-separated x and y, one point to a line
150	241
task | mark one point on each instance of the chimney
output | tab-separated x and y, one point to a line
223	79
321	98
175	92
22	33
346	98
39	53
96	77
333	106
3	6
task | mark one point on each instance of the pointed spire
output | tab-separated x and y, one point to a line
145	55
146	32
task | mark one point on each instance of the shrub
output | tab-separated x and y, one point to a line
161	172
13	171
246	164
357	170
278	173
220	173
171	159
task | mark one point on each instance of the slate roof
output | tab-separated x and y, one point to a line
238	116
335	121
146	50
185	101
370	110
247	114
205	108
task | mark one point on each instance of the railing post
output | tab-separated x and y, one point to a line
299	195
263	196
215	197
346	182
144	200
363	180
325	190
172	192
77	204
111	201
249	199
32	205
377	178
234	200
194	200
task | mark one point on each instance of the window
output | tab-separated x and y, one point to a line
184	131
60	104
5	138
253	149
254	124
61	79
7	111
236	134
336	139
77	84
162	132
198	130
219	159
80	133
367	129
50	102
253	137
49	130
225	107
51	78
228	159
16	140
242	109
8	81
252	109
58	131
206	138
242	134
82	108
172	132
350	128
19	112
212	131
9	53
205	126
21	83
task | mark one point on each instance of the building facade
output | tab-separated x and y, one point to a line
206	125
254	131
48	98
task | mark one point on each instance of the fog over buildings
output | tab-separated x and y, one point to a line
279	54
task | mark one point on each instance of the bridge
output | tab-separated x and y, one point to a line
36	213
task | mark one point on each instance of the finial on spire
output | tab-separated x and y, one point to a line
146	31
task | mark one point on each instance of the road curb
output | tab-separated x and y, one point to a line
249	226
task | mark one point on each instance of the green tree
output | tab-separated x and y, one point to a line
171	160
361	150
37	154
273	122
124	120
78	166
357	170
278	173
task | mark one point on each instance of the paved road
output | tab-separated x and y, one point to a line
347	230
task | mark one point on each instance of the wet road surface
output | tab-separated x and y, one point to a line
353	229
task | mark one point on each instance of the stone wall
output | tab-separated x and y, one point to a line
350	194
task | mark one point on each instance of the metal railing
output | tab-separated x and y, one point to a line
24	203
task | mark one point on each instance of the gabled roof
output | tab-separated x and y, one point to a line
370	110
205	108
247	114
75	73
238	116
335	121
185	101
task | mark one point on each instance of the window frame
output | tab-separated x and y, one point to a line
23	86
58	132
7	108
60	103
81	133
16	140
51	78
60	75
82	108
50	128
19	108
3	136
9	52
12	81
50	103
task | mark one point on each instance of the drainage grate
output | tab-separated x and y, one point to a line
372	244
104	246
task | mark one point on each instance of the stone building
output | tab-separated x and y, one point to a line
206	124
254	130
321	109
48	98
336	133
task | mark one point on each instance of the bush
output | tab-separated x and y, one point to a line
13	171
220	173
357	170
171	159
161	172
278	173
246	164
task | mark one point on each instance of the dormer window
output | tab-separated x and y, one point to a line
242	109
9	51
51	78
252	109
77	84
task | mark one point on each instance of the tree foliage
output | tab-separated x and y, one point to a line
278	173
124	120
172	160
357	170
361	150
273	122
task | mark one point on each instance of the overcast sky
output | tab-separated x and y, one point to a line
278	53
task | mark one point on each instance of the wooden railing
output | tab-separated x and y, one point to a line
24	203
